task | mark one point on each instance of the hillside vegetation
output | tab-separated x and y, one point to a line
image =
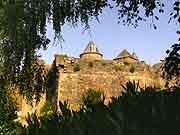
137	112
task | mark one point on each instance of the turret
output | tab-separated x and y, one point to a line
91	52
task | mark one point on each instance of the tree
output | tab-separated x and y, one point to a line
171	66
7	110
23	33
23	29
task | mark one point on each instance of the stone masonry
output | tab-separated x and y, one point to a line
76	75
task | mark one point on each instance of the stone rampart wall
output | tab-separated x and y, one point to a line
72	86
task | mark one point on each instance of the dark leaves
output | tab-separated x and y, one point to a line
176	3
157	18
132	12
23	30
154	26
145	112
27	34
171	66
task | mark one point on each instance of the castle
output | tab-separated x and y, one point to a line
74	76
71	77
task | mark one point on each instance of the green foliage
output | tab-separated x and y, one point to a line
136	112
7	106
34	127
47	108
11	128
24	27
23	33
8	115
93	97
91	64
132	69
126	63
51	83
131	88
117	68
128	114
77	67
8	109
171	66
103	62
62	55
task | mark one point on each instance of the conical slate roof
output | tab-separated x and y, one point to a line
124	53
91	52
91	47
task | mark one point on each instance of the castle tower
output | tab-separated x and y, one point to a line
91	52
125	56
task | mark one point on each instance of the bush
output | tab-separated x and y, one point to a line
93	97
11	128
47	109
77	67
62	55
137	112
8	115
126	63
103	63
90	64
132	69
117	68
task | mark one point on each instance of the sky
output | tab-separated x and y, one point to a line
111	38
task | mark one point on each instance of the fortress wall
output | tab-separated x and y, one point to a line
127	59
130	60
72	86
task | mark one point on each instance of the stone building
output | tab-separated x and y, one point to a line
69	83
125	56
97	73
91	52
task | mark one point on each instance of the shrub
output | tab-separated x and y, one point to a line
137	112
93	97
103	63
47	108
62	55
8	114
77	67
132	69
126	63
90	64
117	68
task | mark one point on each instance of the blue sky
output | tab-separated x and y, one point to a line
111	38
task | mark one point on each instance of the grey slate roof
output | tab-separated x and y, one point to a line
124	53
91	47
